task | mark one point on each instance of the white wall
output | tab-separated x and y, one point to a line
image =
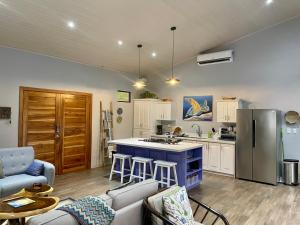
265	72
19	68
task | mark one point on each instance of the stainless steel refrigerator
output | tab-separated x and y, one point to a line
258	141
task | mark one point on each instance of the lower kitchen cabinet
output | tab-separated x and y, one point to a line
214	157
204	155
227	159
219	158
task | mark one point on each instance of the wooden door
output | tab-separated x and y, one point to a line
75	132
38	122
57	124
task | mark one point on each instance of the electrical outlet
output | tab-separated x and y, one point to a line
288	130
295	130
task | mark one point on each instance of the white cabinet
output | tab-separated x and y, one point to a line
143	114
205	155
226	111
227	159
218	157
163	110
214	157
142	133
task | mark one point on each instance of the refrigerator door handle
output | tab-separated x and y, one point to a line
254	134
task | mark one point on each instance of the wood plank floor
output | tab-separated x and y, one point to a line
242	202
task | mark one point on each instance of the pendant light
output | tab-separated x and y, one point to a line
173	80
141	82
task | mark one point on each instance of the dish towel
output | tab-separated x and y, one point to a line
90	211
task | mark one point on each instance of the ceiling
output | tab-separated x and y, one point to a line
40	26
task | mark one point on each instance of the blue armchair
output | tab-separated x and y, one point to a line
15	162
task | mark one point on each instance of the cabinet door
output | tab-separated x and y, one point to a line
158	107
231	111
205	155
222	112
214	157
166	111
227	158
137	120
146	120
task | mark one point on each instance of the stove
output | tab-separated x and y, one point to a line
170	141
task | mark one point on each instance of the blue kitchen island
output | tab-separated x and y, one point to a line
188	157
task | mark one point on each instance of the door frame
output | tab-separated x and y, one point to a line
22	89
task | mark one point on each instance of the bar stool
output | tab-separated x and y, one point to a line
122	158
168	165
142	173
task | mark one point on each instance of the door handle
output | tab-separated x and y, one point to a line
253	134
57	132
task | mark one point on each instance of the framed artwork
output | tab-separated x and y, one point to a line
198	108
123	96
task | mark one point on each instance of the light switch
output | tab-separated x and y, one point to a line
295	130
288	130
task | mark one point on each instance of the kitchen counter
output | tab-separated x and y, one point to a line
199	139
137	142
188	158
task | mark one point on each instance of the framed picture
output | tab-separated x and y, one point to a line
124	96
198	108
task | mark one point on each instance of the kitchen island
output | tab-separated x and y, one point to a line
188	157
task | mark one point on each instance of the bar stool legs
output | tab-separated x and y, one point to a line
168	166
142	168
122	158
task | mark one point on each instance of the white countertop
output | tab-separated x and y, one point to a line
136	142
199	139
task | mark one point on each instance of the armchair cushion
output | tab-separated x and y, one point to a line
12	184
49	171
177	208
133	193
35	169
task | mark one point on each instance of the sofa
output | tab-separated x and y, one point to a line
126	201
15	161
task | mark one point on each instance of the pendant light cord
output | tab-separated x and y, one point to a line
140	46
173	30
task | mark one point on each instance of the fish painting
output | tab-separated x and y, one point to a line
197	108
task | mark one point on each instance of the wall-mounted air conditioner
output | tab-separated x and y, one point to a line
215	58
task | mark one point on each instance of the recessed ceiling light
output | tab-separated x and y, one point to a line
268	2
153	54
120	42
71	24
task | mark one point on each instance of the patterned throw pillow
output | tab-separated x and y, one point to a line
90	211
177	207
35	169
1	170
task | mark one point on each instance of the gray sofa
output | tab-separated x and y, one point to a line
127	202
15	162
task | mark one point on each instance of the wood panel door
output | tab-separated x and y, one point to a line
75	132
39	119
57	124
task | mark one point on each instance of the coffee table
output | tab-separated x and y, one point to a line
16	216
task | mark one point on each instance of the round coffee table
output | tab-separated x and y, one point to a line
44	191
16	216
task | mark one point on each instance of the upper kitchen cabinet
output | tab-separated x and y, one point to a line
163	110
226	111
144	113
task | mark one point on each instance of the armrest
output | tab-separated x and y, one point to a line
129	215
209	210
49	171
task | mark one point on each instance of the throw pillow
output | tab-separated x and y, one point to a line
1	170
35	169
177	207
90	211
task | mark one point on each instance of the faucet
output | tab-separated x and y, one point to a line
198	131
